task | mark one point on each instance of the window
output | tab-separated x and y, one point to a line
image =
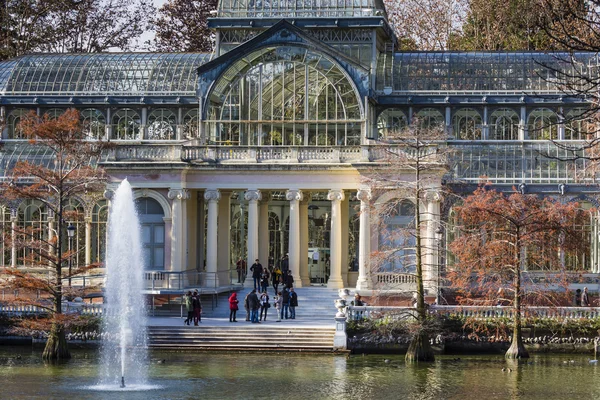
162	125
504	125
153	232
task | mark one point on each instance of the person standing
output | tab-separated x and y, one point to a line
233	306
285	265
264	305
278	300
246	307
240	267
197	306
257	270
188	307
578	298
285	302
254	305
289	280
293	303
264	281
585	298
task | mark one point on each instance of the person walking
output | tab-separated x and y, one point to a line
578	298
275	277
285	265
257	270
240	267
264	281
233	306
188	307
285	302
585	298
293	303
264	305
254	306
278	300
197	306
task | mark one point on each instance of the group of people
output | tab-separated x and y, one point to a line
275	274
193	306
582	299
257	305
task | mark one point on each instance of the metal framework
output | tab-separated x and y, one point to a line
300	8
102	74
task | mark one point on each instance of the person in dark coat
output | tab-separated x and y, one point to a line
264	281
257	270
264	305
254	306
197	305
293	303
289	280
188	307
578	298
285	296
285	265
233	306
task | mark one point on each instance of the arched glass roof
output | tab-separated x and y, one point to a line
102	74
300	8
429	72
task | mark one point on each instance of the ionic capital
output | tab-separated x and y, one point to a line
179	194
294	195
433	196
109	194
364	195
252	195
336	195
212	195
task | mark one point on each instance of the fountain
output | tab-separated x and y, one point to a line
124	351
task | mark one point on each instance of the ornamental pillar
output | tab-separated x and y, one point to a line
88	240
335	258
178	236
14	218
294	197
304	273
364	281
252	197
212	197
431	267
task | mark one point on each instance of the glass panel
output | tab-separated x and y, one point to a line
146	234
159	234
159	257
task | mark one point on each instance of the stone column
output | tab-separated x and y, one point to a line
212	197
252	197
344	212
294	197
224	238
364	281
431	267
14	219
335	258
178	240
88	240
304	275
263	231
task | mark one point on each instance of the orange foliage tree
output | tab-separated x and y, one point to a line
71	172
499	237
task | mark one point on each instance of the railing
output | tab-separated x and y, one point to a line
67	308
166	280
477	312
144	152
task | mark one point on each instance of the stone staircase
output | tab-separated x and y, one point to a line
242	338
314	303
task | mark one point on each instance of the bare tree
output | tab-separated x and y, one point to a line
413	160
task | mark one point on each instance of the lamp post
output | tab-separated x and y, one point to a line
439	234
70	234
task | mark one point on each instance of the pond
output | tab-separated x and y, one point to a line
23	375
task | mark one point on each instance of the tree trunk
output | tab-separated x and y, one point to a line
419	349
517	348
56	346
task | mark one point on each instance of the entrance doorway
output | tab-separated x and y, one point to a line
318	265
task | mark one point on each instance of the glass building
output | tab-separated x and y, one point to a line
260	149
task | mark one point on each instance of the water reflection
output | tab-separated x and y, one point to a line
296	376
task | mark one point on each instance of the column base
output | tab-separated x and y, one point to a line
298	282
364	284
335	283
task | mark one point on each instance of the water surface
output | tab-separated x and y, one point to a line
23	375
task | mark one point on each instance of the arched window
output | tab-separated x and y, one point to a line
543	124
93	123
504	125
391	120
191	124
429	118
99	219
126	124
5	237
284	96
33	219
73	214
579	124
397	239
162	125
467	124
53	113
153	232
13	121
